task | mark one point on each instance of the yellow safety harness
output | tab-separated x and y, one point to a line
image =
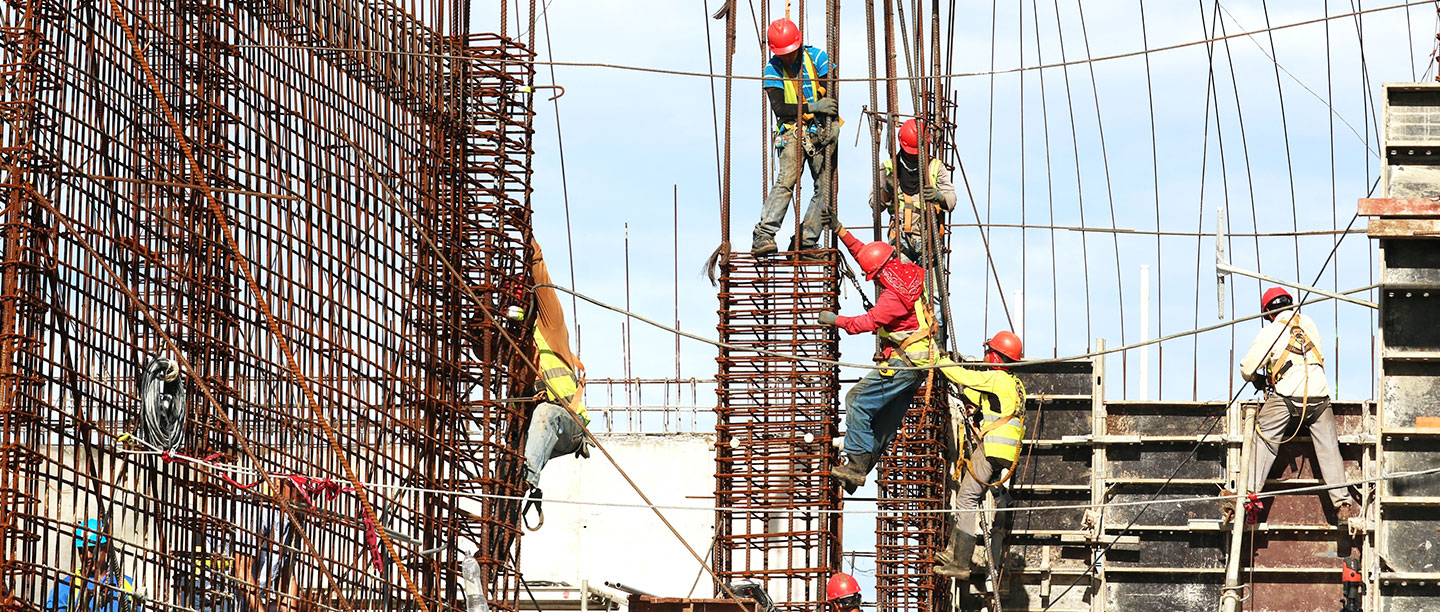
1300	349
1018	414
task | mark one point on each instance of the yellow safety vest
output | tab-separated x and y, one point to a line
793	88
909	206
915	345
1001	398
559	380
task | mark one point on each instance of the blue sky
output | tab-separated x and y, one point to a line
632	139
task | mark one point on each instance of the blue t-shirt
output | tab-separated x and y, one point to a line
773	74
61	598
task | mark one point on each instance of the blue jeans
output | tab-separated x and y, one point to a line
875	407
787	174
554	432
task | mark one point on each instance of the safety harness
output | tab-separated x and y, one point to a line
906	208
1300	349
793	86
994	420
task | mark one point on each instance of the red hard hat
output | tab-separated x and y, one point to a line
1271	294
910	136
784	37
841	585
873	256
1007	344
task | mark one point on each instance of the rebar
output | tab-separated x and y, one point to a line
318	160
776	419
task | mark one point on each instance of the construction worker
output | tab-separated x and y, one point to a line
1285	360
1000	399
795	80
843	592
98	584
876	405
557	427
905	191
265	559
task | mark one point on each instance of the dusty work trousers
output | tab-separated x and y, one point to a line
787	174
554	432
973	487
1274	421
875	407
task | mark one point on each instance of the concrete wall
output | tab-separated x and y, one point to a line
627	545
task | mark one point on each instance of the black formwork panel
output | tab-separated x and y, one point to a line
1162	592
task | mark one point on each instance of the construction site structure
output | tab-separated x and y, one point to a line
314	211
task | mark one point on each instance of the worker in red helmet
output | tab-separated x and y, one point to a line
1286	361
997	397
905	190
902	318
795	81
843	592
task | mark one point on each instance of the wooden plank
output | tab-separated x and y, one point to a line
1399	207
1403	228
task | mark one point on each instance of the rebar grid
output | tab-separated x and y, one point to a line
912	476
775	422
318	166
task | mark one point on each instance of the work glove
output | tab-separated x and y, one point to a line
932	194
825	106
827	317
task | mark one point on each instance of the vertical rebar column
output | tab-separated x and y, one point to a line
776	418
912	477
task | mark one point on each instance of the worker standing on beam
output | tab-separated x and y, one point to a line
1285	360
905	191
557	427
876	405
999	397
795	80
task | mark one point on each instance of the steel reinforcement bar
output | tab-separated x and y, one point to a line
112	253
775	422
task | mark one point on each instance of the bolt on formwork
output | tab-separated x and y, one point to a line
776	419
306	233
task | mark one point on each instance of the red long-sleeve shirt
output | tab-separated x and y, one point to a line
891	311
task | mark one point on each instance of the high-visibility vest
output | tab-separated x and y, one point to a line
915	344
559	380
909	206
793	88
1300	352
1003	418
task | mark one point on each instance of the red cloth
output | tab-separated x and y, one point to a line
892	311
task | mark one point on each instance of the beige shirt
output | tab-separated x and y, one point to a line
1270	351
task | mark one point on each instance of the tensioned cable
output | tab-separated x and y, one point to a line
855	79
564	184
737	347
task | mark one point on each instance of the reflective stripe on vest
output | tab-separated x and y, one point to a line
558	379
1003	427
915	344
909	205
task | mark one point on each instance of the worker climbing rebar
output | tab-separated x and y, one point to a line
1286	362
795	80
557	426
905	191
997	397
98	583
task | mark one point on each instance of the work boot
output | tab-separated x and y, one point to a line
1346	510
956	561
852	474
763	246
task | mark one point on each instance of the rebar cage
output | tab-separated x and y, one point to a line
316	219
